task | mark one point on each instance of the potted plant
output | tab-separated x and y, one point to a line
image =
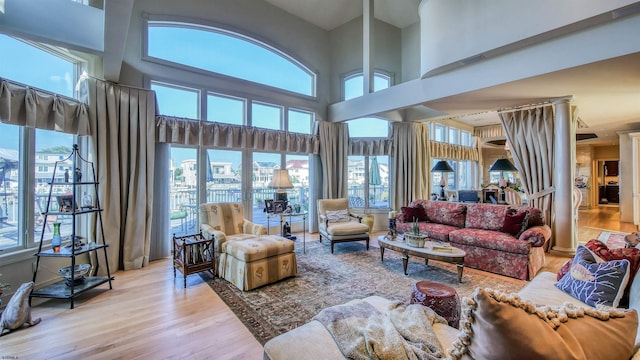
414	238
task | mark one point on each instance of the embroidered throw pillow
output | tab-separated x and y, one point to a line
493	324
338	215
412	214
595	283
515	223
632	254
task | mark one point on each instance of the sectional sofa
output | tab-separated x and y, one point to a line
506	327
500	239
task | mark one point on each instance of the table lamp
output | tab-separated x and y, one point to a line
443	167
502	165
280	181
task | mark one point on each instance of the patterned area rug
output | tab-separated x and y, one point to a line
326	279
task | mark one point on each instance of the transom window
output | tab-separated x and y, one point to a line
228	53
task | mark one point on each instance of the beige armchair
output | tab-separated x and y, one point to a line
512	197
338	224
225	222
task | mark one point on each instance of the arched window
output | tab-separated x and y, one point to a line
228	53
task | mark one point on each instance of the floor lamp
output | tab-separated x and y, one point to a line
443	167
502	165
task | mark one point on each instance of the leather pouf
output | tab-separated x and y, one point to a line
440	298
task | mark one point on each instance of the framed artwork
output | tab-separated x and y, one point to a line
268	206
278	207
65	203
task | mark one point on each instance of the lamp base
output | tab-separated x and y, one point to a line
280	196
443	196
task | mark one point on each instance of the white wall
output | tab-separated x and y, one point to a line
453	30
346	52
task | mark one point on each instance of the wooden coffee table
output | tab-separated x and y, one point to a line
455	256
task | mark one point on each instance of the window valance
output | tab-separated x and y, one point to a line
364	147
440	150
490	131
25	106
177	130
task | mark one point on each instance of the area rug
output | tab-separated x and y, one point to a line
326	279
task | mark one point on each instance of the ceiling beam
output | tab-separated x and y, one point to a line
117	19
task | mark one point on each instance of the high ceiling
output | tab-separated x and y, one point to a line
330	14
607	93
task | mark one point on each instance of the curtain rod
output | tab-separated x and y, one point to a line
524	107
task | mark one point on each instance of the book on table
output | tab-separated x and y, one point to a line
444	247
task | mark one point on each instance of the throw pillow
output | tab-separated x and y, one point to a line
564	270
495	325
412	214
515	223
595	283
632	254
338	215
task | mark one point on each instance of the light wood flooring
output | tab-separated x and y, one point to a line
148	315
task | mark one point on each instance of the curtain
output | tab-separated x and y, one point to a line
368	147
26	106
188	131
123	132
440	150
334	140
412	162
530	137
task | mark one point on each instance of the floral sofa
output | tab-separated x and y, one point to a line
505	240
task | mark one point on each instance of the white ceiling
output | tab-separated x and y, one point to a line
330	14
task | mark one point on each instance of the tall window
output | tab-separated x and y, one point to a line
176	100
23	193
368	181
354	84
183	190
226	109
228	53
266	116
464	172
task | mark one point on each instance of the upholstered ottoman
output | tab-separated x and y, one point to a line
441	298
259	261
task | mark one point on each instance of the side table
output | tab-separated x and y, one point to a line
283	217
192	254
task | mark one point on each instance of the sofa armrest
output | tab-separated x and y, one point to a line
250	228
536	235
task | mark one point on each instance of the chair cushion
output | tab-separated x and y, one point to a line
346	228
258	248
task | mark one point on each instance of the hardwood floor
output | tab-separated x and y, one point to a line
148	315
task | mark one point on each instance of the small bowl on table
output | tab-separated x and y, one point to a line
78	274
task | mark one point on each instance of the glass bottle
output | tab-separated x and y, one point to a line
56	241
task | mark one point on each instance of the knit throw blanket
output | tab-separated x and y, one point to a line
403	332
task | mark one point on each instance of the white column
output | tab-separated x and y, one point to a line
565	228
635	171
367	45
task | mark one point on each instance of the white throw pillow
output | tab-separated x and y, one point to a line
338	215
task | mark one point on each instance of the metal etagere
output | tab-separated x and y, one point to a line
68	207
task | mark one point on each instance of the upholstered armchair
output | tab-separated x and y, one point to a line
226	222
512	197
338	224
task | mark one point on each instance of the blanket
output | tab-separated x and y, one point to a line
403	332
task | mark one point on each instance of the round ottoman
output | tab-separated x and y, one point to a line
441	298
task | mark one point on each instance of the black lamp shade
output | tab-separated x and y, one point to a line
502	165
442	166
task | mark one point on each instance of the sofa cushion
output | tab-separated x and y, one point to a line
334	216
595	283
485	216
632	254
411	214
515	223
489	239
447	213
498	326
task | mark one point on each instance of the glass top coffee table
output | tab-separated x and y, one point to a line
454	256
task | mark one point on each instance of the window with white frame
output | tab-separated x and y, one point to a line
23	194
229	53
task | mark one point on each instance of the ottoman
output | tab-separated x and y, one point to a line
441	298
258	261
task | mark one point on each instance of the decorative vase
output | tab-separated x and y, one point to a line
414	240
56	241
